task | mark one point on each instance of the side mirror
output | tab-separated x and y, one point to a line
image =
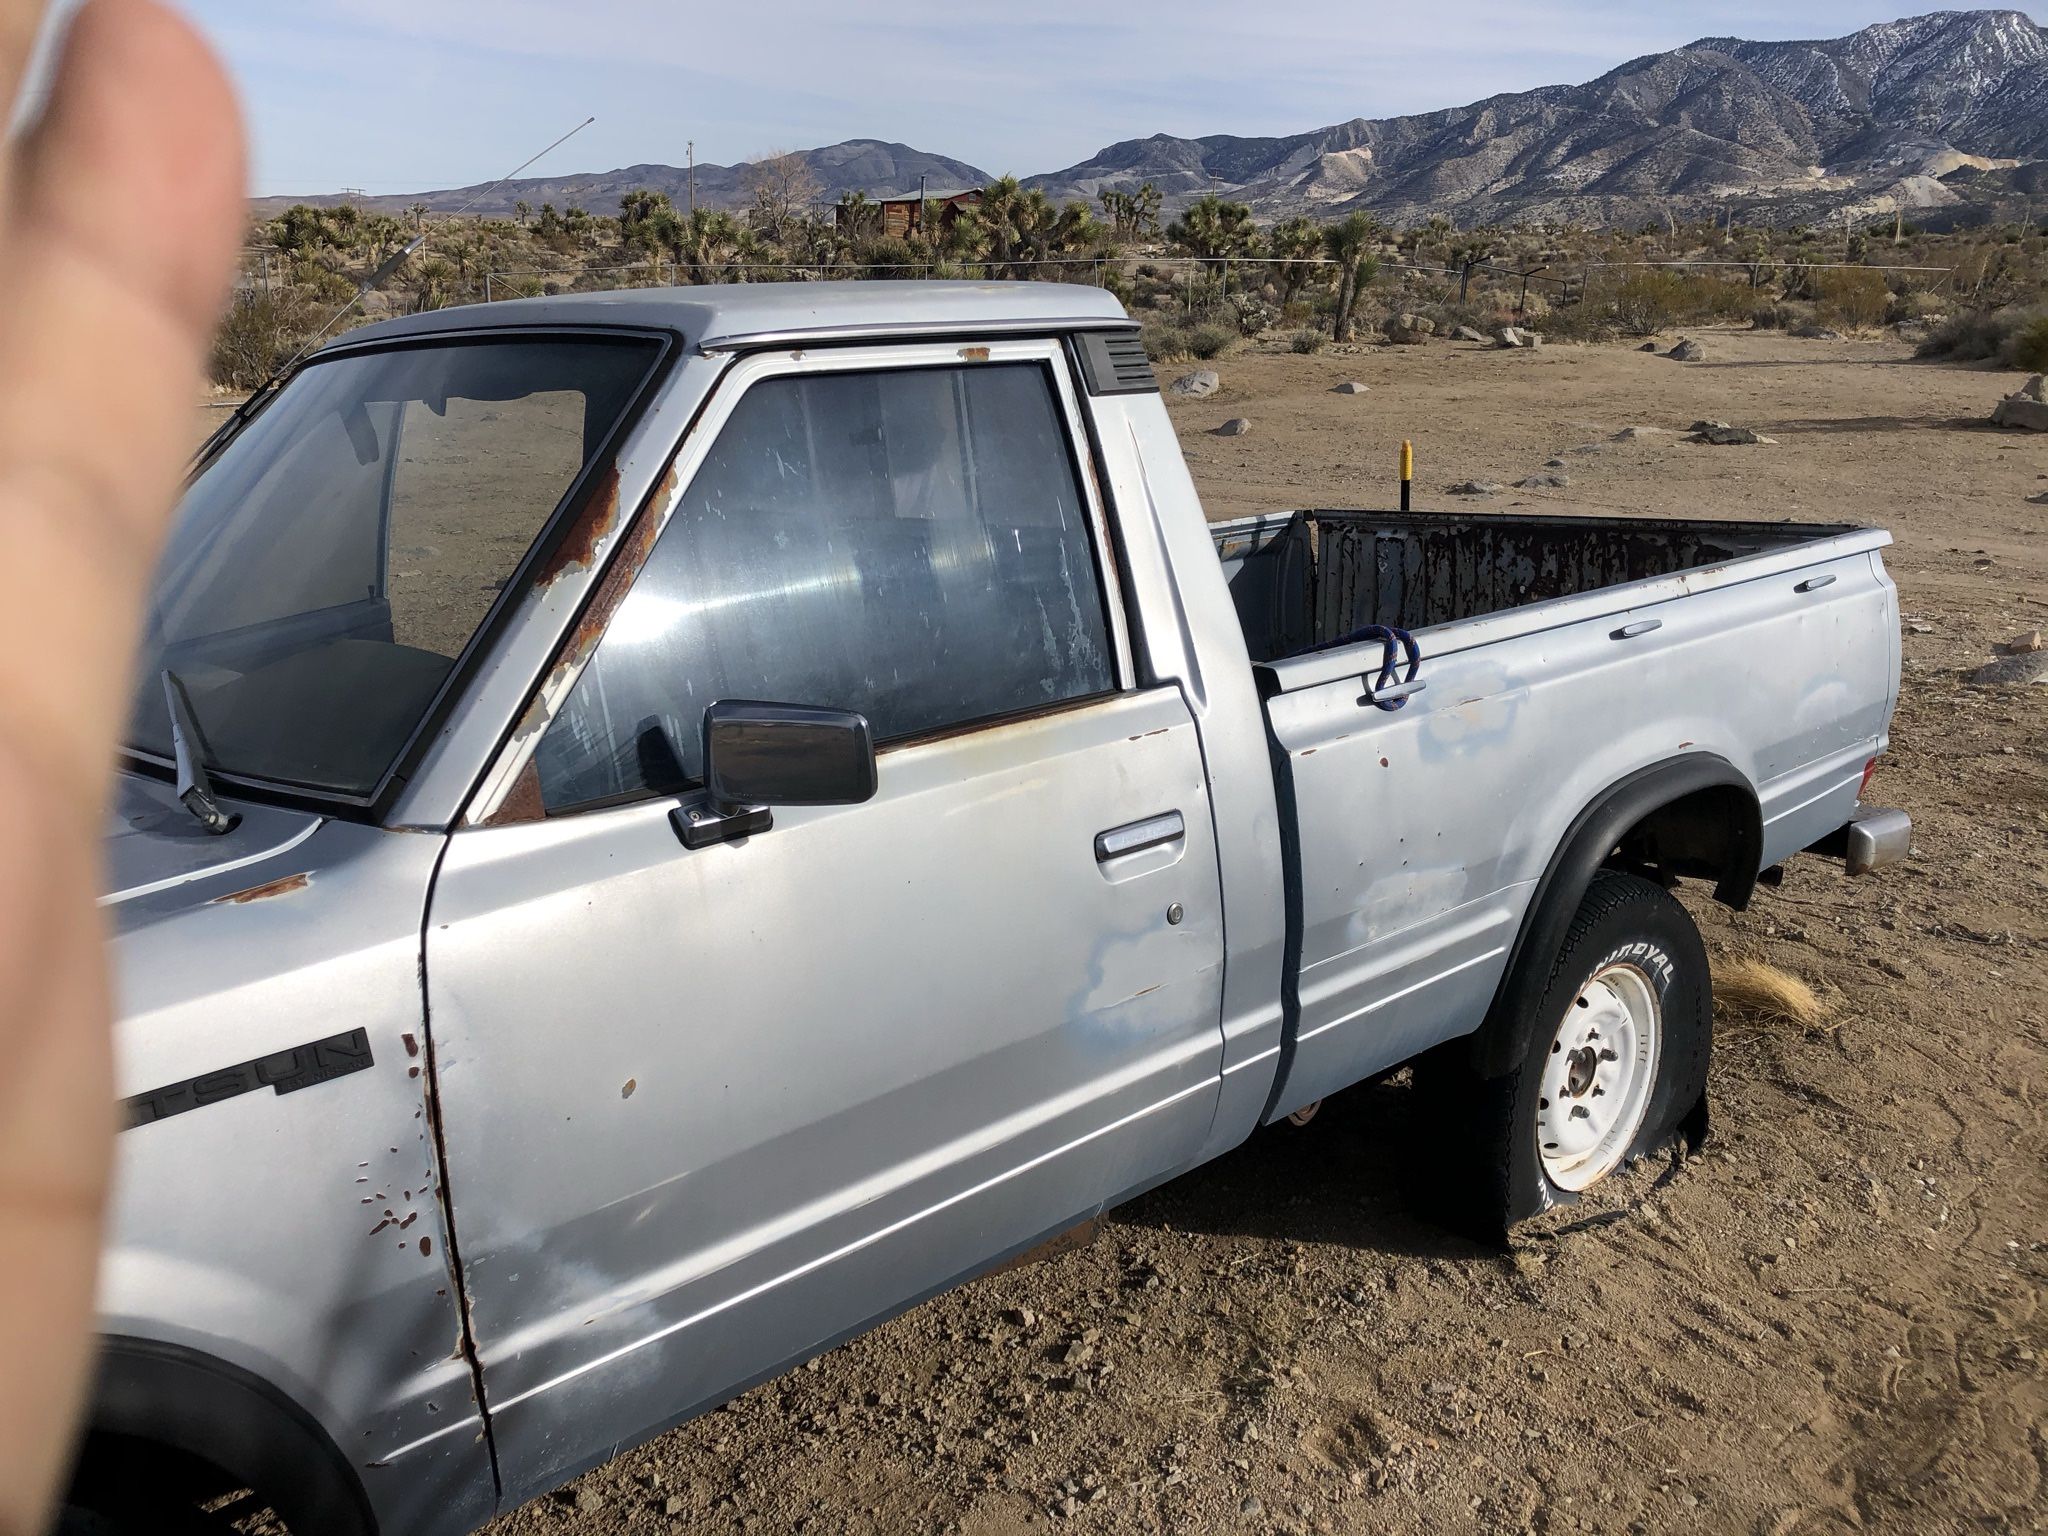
786	754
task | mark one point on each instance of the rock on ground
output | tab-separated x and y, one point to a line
1349	387
1237	426
1725	436
1687	352
1543	482
2040	500
1410	328
2035	388
1553	463
1648	346
2020	411
2013	671
1630	434
2024	645
1466	333
1475	488
1194	386
1510	336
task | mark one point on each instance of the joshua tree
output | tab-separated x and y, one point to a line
417	212
1294	243
522	208
1349	242
1132	215
1209	227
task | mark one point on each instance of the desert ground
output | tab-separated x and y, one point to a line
1831	1321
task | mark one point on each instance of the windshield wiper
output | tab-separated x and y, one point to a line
195	789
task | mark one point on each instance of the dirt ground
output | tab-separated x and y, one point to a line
1833	1321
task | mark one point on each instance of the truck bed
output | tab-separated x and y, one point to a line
1558	655
1304	580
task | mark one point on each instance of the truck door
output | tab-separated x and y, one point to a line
708	1110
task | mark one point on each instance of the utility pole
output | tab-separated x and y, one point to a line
691	150
922	211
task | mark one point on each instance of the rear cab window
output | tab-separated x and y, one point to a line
910	542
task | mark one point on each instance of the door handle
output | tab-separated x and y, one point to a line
1640	627
1393	691
1136	836
1815	583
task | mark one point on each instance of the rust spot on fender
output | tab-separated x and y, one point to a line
627	1091
279	887
412	1048
597	517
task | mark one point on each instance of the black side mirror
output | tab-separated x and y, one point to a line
786	754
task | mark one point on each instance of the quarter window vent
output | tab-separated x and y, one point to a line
1114	363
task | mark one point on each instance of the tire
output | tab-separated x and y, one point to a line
1619	1037
124	1488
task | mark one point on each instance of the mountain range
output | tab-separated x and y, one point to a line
1944	116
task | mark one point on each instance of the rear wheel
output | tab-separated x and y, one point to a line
1619	1036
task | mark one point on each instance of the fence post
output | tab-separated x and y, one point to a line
487	287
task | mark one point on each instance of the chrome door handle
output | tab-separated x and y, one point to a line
1640	627
1815	583
1136	836
1393	691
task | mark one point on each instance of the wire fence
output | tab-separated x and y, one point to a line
1566	286
1204	280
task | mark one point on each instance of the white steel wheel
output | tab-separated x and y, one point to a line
1598	1077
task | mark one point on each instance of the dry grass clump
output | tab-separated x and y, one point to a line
1757	992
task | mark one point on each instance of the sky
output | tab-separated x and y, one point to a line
412	95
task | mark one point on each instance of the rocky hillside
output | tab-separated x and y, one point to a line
1785	130
857	165
1941	115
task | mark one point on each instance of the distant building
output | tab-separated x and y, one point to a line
903	212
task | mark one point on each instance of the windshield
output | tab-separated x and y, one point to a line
325	572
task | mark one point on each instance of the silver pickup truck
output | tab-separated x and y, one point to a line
661	829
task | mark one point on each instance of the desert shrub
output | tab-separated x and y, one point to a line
1209	341
1980	335
1772	317
2028	348
1916	304
1648	301
1306	341
1253	313
1580	322
1165	342
1851	298
259	334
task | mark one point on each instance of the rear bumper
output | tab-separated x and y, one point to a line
1872	838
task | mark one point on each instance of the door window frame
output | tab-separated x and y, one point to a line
509	789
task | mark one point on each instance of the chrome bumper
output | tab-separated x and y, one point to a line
1877	837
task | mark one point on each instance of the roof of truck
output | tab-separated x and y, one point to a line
733	314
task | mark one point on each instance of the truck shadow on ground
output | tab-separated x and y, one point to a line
1355	1175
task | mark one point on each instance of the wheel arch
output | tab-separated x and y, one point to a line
177	1399
1692	815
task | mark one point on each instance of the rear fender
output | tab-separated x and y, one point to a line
1721	834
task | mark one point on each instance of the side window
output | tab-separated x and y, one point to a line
912	544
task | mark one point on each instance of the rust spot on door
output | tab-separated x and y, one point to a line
627	1091
280	887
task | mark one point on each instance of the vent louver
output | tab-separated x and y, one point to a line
1114	363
